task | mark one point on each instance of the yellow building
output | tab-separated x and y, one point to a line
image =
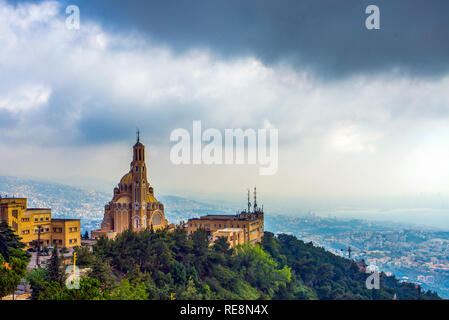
234	236
26	223
133	205
251	223
65	232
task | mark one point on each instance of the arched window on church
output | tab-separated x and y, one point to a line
157	221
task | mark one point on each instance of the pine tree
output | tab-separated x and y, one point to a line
222	245
102	271
8	240
54	270
13	260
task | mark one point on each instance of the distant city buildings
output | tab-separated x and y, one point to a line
421	255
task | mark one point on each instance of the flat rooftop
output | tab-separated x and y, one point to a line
230	230
10	197
214	217
218	216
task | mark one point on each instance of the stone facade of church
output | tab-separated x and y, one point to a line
133	205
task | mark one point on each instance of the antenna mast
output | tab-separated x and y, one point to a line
255	199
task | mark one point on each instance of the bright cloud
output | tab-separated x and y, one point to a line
25	98
353	139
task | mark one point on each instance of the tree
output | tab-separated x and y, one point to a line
88	290
37	279
84	257
8	240
200	239
179	273
129	291
85	236
13	260
10	275
261	270
101	270
54	270
222	245
191	292
103	247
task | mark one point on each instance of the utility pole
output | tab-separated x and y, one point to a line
38	246
249	203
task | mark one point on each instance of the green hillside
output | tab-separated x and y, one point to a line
334	277
162	265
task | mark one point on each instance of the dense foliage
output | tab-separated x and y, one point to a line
334	277
174	265
13	260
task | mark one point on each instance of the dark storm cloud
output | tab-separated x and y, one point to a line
326	36
101	90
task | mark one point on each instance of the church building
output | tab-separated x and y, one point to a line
133	205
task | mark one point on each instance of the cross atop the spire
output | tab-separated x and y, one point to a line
138	135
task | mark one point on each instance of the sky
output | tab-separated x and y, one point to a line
362	115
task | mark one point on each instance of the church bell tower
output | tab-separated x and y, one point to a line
140	186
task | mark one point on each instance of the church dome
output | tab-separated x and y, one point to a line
127	178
